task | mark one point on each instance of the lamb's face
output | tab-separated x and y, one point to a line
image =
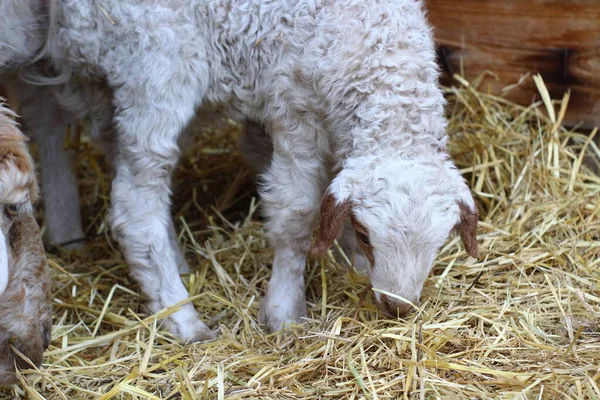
25	311
401	231
403	212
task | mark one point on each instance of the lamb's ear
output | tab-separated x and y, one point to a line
333	215
467	228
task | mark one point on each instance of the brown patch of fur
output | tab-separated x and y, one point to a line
332	220
366	247
13	150
467	228
25	308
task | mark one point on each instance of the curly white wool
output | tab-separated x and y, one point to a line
351	80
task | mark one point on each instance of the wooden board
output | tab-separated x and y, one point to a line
560	39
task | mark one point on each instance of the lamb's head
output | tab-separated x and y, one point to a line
403	211
22	31
25	311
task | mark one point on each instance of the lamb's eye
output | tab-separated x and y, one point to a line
12	210
363	237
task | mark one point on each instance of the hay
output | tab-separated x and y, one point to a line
520	323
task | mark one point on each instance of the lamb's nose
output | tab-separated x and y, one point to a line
393	307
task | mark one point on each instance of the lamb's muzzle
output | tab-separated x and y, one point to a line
392	307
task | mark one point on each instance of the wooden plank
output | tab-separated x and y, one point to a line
523	23
560	39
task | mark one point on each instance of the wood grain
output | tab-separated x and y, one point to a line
560	39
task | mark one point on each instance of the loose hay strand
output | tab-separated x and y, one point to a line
521	322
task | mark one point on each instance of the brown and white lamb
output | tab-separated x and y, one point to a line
25	309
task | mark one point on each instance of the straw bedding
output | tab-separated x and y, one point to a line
522	322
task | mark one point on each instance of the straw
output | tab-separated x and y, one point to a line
520	323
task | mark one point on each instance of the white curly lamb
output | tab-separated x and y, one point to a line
348	83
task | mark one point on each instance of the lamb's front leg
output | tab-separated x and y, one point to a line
146	153
291	194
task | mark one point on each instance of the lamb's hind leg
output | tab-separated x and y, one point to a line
182	264
105	136
148	121
46	122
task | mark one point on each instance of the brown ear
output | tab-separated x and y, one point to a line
333	215
467	229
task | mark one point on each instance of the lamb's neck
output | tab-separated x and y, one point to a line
385	144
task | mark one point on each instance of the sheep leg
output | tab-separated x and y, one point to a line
107	140
182	264
142	224
257	148
46	123
291	193
146	153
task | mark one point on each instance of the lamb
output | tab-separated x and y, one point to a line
347	88
46	122
25	310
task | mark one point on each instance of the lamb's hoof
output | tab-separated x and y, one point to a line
203	335
277	317
196	332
